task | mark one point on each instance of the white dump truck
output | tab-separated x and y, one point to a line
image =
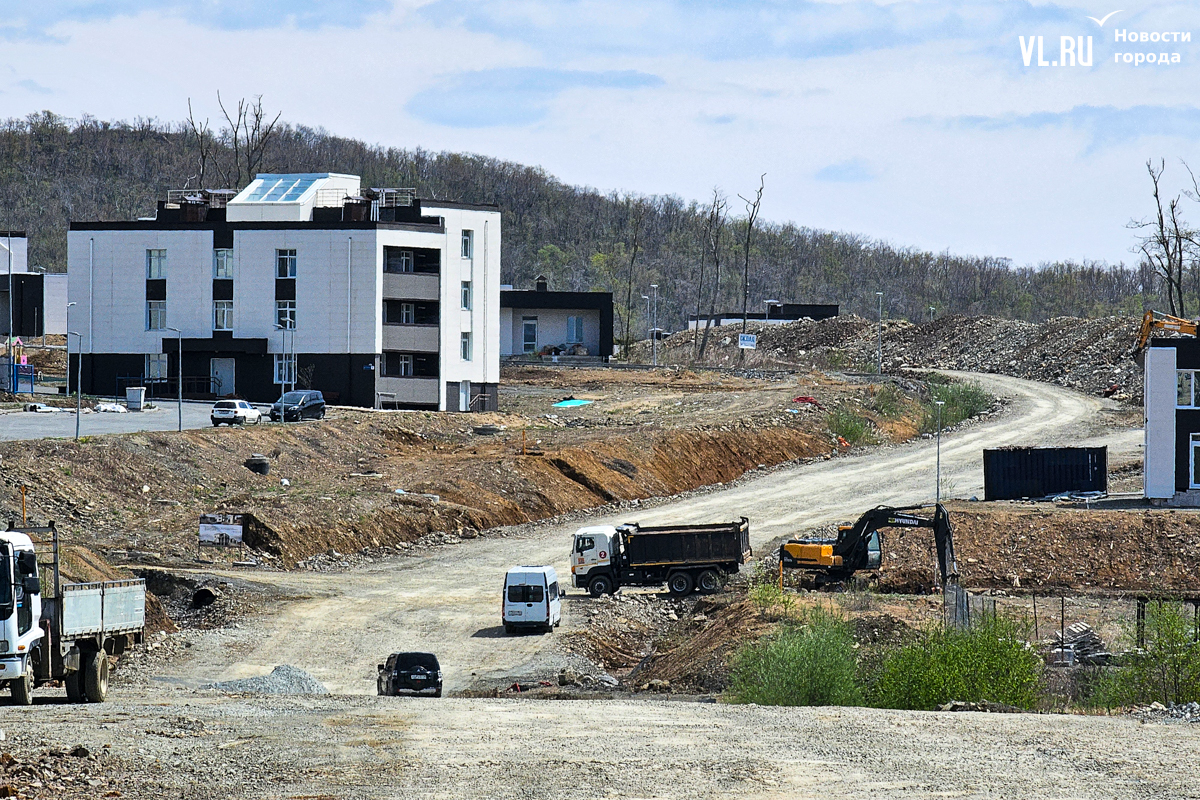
66	637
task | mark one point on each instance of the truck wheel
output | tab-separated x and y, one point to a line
601	584
709	581
22	690
679	583
95	677
74	684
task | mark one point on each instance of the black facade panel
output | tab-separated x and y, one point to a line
1018	472
156	289
285	288
486	397
1187	351
29	306
222	234
102	372
222	289
1187	422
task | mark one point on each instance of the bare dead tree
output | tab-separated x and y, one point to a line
249	134
751	215
714	224
1167	243
204	146
639	213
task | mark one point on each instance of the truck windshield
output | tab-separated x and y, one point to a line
6	587
525	594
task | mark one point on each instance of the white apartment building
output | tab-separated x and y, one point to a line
372	296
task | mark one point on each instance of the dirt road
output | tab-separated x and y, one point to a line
448	601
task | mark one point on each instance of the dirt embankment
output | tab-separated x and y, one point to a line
1092	355
1008	546
366	480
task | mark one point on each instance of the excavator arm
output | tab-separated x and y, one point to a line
839	559
1153	321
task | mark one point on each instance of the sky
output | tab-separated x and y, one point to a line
924	123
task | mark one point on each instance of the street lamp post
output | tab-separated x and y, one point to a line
78	377
288	367
880	296
938	490
179	376
654	331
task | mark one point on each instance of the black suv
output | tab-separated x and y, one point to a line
307	404
419	673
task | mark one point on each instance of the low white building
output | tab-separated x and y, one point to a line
541	321
38	300
374	297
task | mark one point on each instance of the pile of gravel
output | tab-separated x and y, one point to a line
1183	712
284	679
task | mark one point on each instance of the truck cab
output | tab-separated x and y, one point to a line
20	614
592	558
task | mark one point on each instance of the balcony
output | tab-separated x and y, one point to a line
411	338
408	390
410	286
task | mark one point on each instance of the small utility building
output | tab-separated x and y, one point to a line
311	280
1172	408
568	323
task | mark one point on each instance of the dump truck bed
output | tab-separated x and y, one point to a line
722	543
108	607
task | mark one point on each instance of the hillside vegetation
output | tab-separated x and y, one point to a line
54	170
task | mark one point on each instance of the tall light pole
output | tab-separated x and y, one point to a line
880	296
78	378
938	491
654	331
288	367
179	376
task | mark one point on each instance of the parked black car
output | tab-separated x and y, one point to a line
307	404
418	673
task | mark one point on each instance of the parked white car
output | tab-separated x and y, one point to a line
234	412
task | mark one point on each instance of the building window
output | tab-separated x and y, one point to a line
529	334
156	265
222	263
156	366
285	263
397	260
466	295
466	346
408	314
398	365
468	244
574	330
285	314
1185	385
223	315
156	315
285	368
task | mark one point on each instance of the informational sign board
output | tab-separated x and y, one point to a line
221	530
747	341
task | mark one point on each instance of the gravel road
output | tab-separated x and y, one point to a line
447	601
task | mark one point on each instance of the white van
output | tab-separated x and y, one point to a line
532	599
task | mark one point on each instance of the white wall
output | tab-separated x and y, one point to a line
54	302
552	328
1160	395
483	270
20	254
113	318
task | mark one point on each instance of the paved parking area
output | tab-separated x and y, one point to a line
61	424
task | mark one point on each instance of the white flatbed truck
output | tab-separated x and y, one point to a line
67	637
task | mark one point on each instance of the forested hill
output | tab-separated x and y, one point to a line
54	170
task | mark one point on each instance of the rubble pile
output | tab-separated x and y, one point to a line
1080	645
1157	712
1091	355
284	679
54	773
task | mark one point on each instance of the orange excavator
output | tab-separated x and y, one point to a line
1155	321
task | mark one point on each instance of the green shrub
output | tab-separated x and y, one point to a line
1166	670
888	401
810	664
989	662
962	401
850	425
